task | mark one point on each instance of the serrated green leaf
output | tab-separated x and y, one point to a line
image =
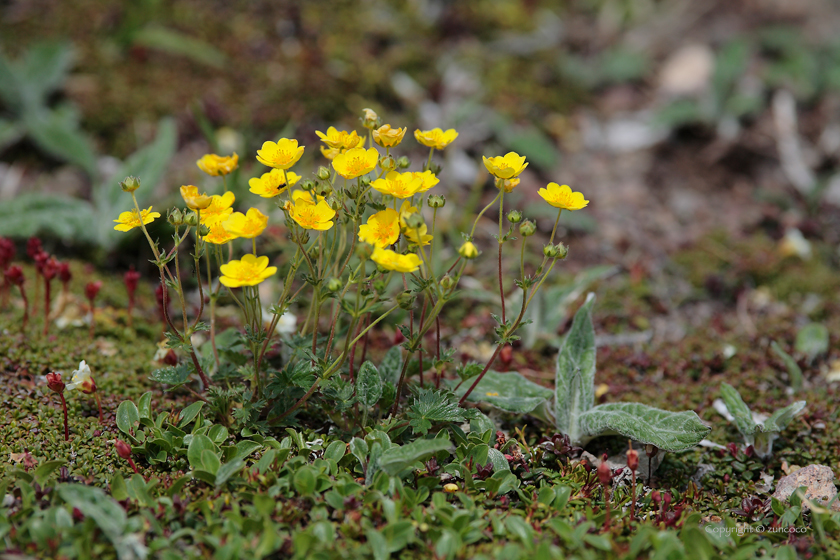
738	409
431	407
396	459
389	369
793	369
368	385
812	340
670	431
781	418
127	416
574	391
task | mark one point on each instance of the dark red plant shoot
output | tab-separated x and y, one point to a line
91	290
605	476
131	278
56	385
14	276
124	451
7	255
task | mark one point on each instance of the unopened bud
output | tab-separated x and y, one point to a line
323	189
633	459
550	251
364	251
651	450
447	282
436	201
562	251
308	185
352	191
388	163
92	289
405	300
123	449
365	181
450	488
403	162
191	219
468	250
414	221
323	173
55	383
334	284
528	228
604	473
175	217
130	184
370	119
514	216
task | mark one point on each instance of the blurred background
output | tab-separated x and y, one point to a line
678	119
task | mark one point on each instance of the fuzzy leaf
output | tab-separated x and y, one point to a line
57	132
812	340
738	409
781	418
793	369
498	459
389	369
29	214
508	391
670	431
574	391
368	385
395	459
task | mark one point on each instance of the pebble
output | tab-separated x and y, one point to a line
819	481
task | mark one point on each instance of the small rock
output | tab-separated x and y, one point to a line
688	71
819	481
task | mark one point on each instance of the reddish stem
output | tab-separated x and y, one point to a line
66	427
478	379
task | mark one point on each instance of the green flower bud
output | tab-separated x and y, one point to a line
307	185
333	202
175	217
405	300
365	181
323	173
352	191
514	216
303	237
436	201
130	184
550	251
370	119
562	251
528	228
203	230
414	221
447	282
334	285
191	219
403	162
364	251
388	163
323	189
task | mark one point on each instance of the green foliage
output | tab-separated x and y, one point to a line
432	407
758	434
812	341
511	392
793	369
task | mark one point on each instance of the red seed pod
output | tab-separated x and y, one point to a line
64	273
40	259
633	459
655	497
506	355
33	247
14	275
666	499
123	449
91	289
171	358
7	252
50	268
131	277
605	473
55	383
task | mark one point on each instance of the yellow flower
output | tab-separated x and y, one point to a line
436	138
250	271
269	184
418	236
406	210
219	235
507	166
356	162
388	137
382	229
218	165
248	225
450	488
282	155
429	180
193	199
330	153
508	184
390	260
399	185
339	139
312	216
468	250
219	209
562	197
305	196
130	220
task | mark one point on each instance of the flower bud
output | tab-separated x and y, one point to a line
55	383
562	251
175	217
365	180
550	251
203	230
651	450
632	459
92	289
447	282
14	275
123	449
364	251
414	221
334	285
64	273
405	300
468	250
528	228
333	202
352	191
605	473
450	488
403	162
323	189
308	185
323	173
191	219
436	201
370	119
514	216
388	163
130	184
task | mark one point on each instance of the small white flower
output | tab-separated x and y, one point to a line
81	377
